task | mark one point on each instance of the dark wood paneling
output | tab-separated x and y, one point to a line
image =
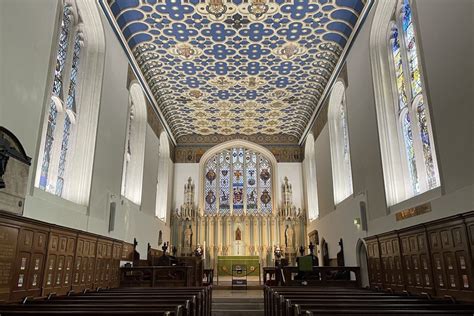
450	254
435	258
38	258
103	263
8	247
84	266
416	261
374	262
60	261
115	265
127	252
469	220
31	257
391	262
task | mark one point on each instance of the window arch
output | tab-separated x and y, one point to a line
339	143
238	178
309	164
132	179
66	152
163	181
406	137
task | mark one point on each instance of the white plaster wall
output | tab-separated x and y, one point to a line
25	52
448	77
25	75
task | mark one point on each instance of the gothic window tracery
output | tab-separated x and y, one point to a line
66	151
238	181
411	109
63	106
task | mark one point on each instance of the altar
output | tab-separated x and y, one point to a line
225	264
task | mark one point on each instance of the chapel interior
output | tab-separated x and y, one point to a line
231	157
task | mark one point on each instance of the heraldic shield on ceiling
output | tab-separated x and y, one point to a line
235	66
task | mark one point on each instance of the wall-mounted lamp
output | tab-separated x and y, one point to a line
357	222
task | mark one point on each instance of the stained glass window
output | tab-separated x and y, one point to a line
71	110
56	93
211	186
339	143
238	181
345	134
62	108
224	180
412	111
251	161
128	149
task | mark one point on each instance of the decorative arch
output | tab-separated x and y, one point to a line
134	156
362	257
405	134
247	147
66	152
339	143
309	164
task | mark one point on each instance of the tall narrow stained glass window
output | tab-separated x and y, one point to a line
63	106
412	112
339	143
134	154
238	181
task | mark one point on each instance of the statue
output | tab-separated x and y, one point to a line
238	234
174	250
188	237
289	236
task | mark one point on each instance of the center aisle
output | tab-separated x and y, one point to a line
237	302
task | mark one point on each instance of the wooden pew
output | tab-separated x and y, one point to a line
292	301
130	301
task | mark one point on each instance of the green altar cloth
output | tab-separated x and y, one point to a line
224	264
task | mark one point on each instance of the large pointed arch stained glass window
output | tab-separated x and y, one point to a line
413	114
238	181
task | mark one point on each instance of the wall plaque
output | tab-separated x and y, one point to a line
413	211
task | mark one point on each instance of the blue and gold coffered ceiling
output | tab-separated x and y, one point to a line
228	67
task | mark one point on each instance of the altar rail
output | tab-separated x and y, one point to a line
38	258
339	276
154	276
327	276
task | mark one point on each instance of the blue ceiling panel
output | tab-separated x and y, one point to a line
236	66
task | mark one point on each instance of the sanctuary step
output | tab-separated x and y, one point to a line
237	306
